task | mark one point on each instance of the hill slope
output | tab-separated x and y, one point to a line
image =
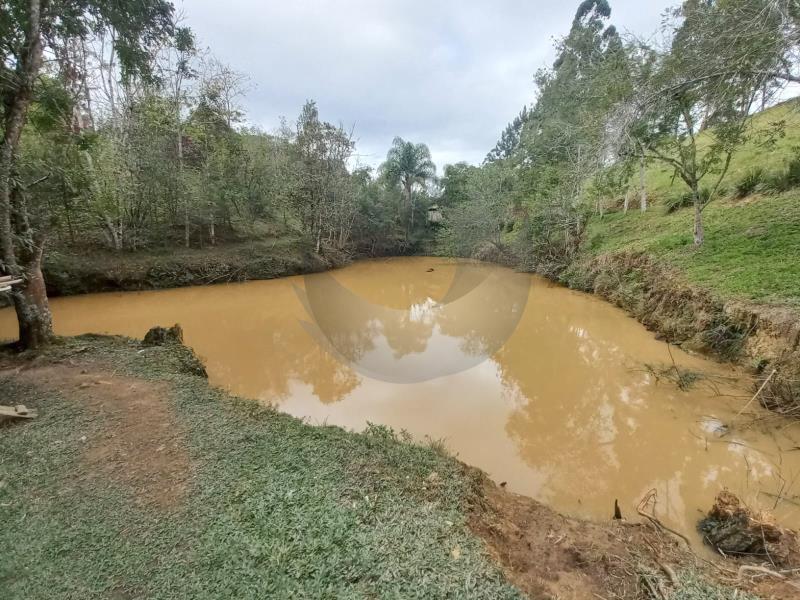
752	247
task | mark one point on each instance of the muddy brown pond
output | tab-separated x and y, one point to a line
557	393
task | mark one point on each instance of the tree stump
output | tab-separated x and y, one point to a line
160	336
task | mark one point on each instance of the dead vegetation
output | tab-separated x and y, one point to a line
682	378
733	529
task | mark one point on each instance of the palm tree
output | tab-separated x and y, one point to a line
408	164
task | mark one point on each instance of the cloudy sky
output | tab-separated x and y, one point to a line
450	73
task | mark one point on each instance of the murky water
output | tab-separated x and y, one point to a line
547	389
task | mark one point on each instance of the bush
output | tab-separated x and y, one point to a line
784	180
750	183
679	201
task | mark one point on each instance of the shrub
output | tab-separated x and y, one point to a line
786	179
679	201
752	181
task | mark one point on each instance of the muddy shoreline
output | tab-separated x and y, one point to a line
765	340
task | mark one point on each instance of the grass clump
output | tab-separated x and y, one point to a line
752	181
678	201
275	508
786	179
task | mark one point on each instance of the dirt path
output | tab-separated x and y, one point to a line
139	446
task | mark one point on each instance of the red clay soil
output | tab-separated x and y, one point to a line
548	555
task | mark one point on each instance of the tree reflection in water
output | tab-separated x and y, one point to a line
426	340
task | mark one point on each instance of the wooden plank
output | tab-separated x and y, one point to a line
5	286
17	412
6	282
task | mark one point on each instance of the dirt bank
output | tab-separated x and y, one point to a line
69	273
764	339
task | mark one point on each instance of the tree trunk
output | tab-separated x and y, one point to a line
211	229
30	299
186	229
114	237
627	202
183	198
699	232
642	185
181	192
409	196
31	305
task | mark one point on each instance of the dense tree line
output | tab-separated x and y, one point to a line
119	133
611	105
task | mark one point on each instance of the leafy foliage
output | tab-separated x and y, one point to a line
409	166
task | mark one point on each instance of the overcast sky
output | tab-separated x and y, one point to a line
450	73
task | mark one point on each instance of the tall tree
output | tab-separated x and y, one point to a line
26	29
509	139
408	165
322	197
563	142
182	51
724	55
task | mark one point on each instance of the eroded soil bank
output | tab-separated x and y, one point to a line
763	339
219	497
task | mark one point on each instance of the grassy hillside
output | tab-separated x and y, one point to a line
758	153
752	247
